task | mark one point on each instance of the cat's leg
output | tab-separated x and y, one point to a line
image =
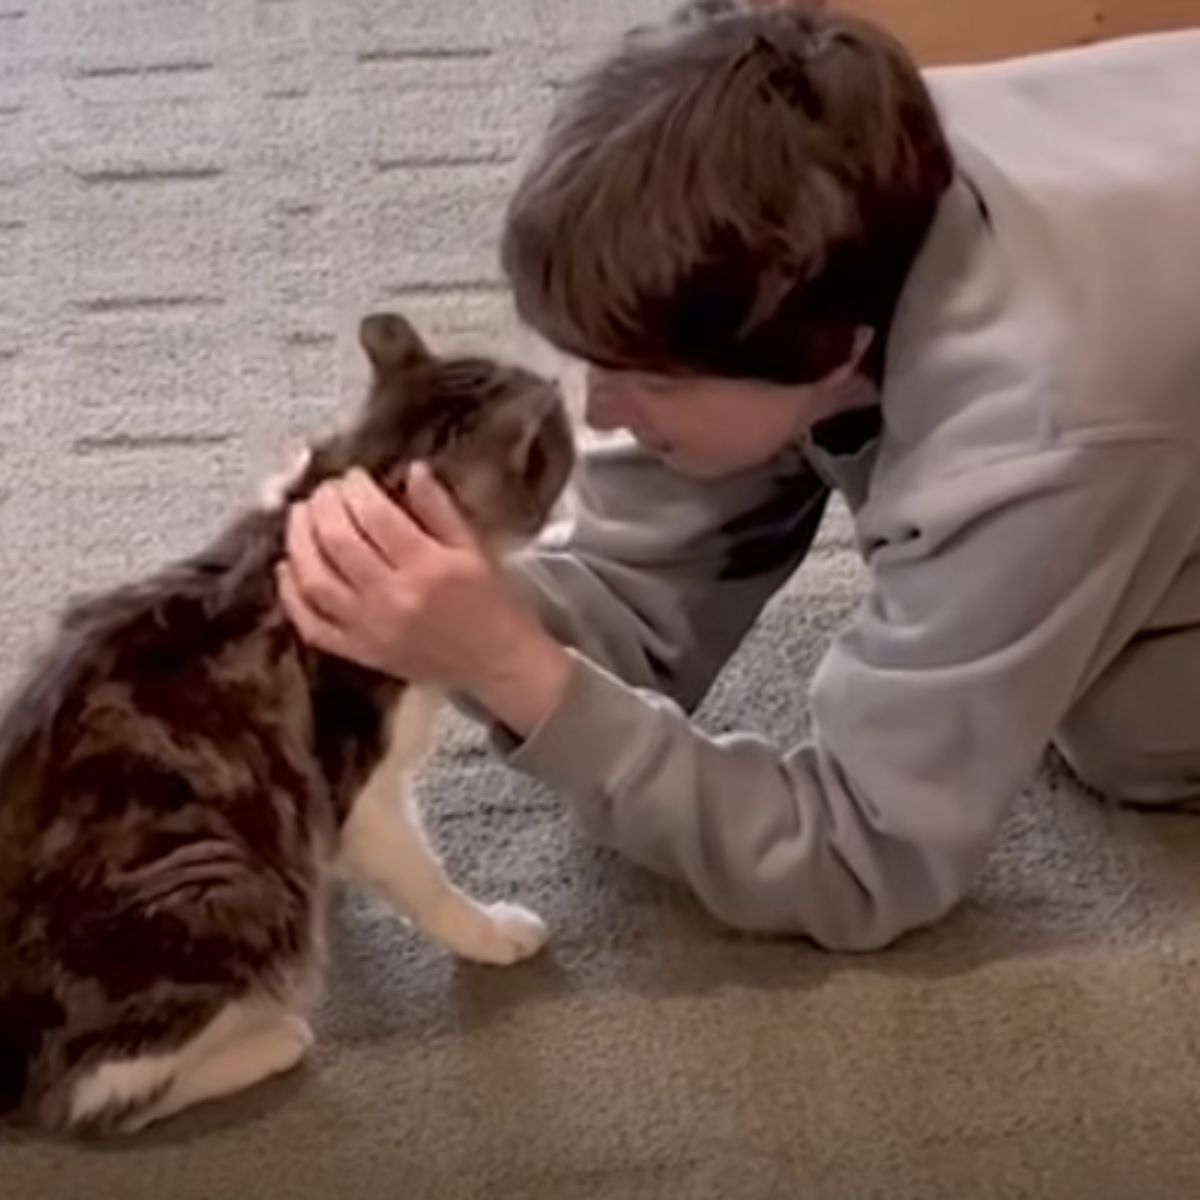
254	1056
244	1045
385	846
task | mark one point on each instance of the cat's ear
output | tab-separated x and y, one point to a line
391	343
525	448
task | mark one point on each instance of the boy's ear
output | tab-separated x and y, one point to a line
391	343
863	337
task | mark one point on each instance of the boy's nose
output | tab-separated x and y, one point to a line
605	408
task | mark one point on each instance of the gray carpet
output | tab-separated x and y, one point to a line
198	198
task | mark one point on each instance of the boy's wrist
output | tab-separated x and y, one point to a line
527	683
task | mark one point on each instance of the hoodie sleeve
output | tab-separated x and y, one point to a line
662	575
995	599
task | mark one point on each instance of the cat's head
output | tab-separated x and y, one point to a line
496	435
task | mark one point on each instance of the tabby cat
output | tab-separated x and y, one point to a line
180	777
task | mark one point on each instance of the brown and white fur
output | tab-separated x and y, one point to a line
180	777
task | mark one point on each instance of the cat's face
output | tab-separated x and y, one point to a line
496	436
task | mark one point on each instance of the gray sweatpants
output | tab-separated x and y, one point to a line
1135	736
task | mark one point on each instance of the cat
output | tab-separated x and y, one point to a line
181	777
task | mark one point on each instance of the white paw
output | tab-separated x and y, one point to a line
297	1032
281	1046
512	934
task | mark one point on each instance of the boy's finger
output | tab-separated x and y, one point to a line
393	533
336	530
314	629
312	577
433	506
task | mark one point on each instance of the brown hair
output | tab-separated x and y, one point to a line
733	192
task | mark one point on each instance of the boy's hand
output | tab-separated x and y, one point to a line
414	595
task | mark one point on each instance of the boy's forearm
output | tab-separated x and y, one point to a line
924	730
662	575
769	841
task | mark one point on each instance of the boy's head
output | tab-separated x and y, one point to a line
735	195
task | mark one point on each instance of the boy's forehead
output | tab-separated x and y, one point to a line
716	389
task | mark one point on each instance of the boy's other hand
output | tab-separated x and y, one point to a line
413	594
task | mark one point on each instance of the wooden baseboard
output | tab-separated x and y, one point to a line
947	31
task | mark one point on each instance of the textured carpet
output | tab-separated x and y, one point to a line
198	198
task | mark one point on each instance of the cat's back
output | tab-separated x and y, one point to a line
160	813
158	669
152	711
160	744
163	816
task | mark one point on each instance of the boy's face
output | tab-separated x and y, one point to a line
708	427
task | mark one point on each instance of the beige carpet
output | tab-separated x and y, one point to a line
198	198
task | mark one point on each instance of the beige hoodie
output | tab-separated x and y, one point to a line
1031	497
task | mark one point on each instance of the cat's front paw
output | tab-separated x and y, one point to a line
513	934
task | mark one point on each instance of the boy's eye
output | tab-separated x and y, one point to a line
659	385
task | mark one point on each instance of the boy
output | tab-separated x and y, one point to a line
790	267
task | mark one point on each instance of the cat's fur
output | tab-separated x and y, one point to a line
179	775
